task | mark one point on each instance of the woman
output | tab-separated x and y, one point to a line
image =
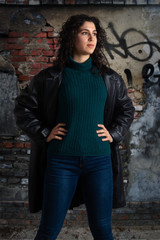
76	113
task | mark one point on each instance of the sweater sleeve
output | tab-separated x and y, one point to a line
27	110
123	113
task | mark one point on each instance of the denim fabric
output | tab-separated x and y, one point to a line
60	183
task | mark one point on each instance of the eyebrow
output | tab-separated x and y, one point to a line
87	30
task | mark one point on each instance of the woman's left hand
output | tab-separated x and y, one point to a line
104	133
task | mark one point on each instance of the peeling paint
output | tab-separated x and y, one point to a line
144	167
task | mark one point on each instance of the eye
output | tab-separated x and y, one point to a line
95	34
84	33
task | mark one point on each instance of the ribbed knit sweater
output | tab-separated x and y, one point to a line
81	101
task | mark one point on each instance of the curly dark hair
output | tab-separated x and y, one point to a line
66	39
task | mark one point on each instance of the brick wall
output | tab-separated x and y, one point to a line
14	157
29	53
16	214
80	2
36	52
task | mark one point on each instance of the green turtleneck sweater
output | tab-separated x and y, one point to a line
81	101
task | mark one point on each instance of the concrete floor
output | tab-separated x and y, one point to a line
79	233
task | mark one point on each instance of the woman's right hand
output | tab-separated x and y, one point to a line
56	131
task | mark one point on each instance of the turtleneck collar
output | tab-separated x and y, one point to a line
87	65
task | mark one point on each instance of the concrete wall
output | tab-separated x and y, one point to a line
29	43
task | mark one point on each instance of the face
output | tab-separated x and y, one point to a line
85	40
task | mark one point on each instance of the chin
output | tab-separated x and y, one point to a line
89	52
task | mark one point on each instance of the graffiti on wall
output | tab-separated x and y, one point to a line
151	73
135	44
123	47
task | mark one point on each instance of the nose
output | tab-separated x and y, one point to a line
90	36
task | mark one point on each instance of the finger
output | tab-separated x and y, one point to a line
102	134
63	129
105	139
59	125
100	131
57	137
61	133
101	125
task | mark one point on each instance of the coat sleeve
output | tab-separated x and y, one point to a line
123	114
27	110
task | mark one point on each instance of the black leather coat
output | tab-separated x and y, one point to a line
35	111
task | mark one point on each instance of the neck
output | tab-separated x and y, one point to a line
80	58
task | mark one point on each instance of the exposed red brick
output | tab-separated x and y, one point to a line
41	35
18	59
30	58
26	35
26	41
18	53
39	40
56	40
43	47
15	52
36	59
19	145
49	41
8	144
12	40
35	52
34	71
36	65
27	145
51	46
43	59
22	53
50	34
46	65
55	47
14	34
24	78
13	46
82	212
48	53
56	52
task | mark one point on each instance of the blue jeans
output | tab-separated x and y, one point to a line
60	183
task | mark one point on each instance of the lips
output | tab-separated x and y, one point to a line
90	45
